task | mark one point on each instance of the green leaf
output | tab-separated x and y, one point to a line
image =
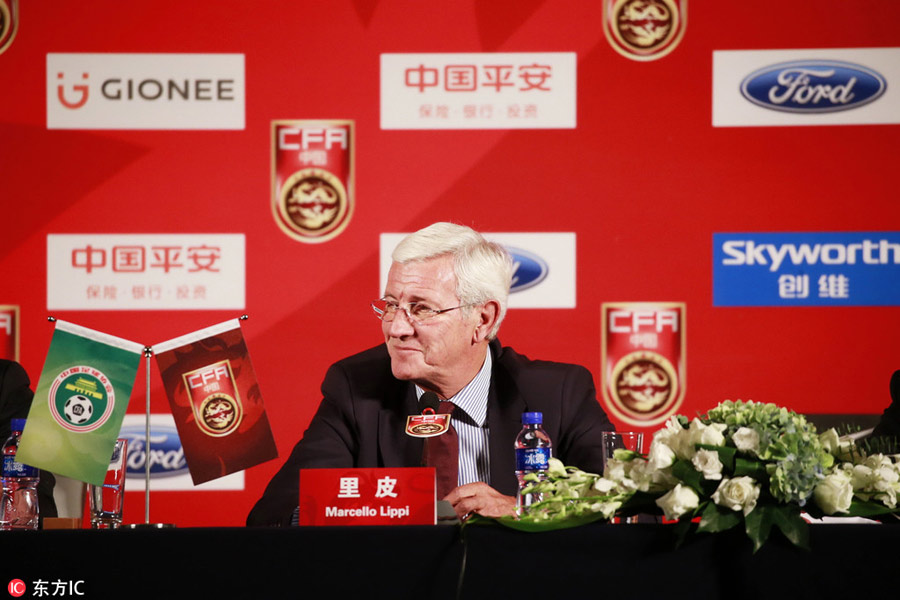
685	471
758	524
718	518
538	526
784	516
750	468
681	529
791	524
862	508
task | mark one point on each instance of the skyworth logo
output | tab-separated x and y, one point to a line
145	91
806	269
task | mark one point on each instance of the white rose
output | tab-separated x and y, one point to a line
862	477
886	475
739	493
834	493
661	455
708	463
830	441
678	501
875	461
887	484
888	497
710	435
746	440
675	437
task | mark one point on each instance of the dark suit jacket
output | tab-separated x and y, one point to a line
15	402
362	418
889	424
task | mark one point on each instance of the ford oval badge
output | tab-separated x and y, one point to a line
813	86
166	453
528	269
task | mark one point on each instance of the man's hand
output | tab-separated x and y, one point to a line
480	498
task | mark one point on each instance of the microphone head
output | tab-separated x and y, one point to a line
429	400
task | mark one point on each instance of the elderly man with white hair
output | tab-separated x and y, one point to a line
445	297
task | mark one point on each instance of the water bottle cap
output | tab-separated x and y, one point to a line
532	418
17	424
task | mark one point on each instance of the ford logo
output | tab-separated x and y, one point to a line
166	453
813	86
528	269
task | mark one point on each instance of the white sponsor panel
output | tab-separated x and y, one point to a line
504	90
840	86
204	271
145	91
544	275
168	469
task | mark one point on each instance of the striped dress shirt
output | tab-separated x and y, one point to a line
470	421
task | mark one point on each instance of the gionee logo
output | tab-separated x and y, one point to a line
82	89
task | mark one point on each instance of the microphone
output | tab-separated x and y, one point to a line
429	400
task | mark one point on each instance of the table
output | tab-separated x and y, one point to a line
599	560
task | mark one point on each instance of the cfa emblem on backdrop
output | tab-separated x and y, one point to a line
9	331
643	360
644	29
9	22
312	178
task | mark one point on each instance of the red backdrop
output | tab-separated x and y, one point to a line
644	180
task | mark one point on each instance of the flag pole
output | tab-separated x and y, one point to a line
148	352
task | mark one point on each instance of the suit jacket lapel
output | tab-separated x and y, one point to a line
395	448
505	407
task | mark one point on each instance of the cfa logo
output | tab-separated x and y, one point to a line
626	321
295	138
80	92
204	378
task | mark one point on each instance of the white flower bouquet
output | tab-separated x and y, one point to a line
741	463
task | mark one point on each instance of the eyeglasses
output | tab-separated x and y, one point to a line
416	312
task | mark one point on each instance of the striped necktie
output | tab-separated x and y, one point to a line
442	453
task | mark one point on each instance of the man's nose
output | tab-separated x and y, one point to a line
401	325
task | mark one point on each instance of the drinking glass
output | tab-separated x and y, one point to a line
625	440
107	500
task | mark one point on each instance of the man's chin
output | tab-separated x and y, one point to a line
404	371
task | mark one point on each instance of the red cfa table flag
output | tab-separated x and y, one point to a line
216	402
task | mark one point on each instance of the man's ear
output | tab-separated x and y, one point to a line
488	314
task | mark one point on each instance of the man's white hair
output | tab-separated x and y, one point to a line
483	269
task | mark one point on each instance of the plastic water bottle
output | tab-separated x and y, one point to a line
533	451
19	504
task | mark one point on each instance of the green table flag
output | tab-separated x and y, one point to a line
80	401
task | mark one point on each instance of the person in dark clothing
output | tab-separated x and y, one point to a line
15	402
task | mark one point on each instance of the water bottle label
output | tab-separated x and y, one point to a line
11	468
532	459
